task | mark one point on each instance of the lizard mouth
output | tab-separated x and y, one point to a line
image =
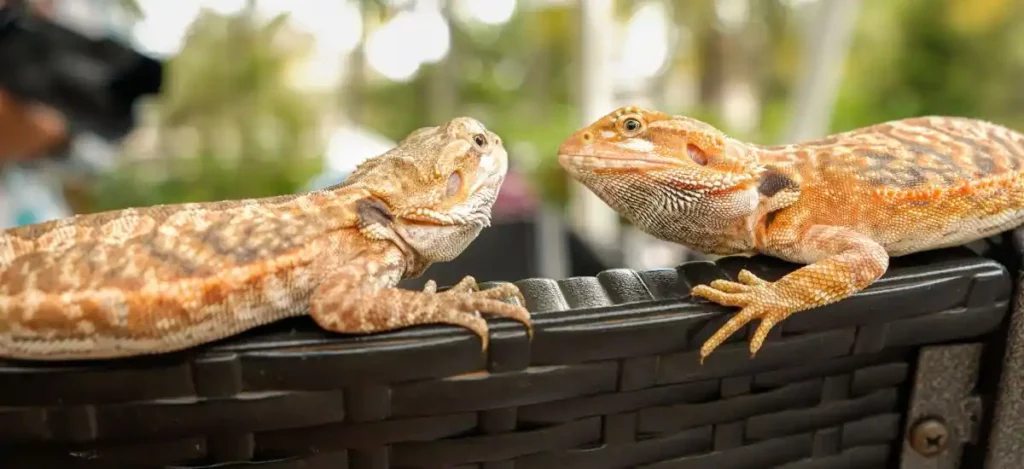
616	161
427	218
437	221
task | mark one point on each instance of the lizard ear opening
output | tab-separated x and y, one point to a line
696	154
454	184
373	211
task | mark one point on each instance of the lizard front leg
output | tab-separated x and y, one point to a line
841	262
350	301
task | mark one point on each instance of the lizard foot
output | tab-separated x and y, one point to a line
334	307
756	297
466	297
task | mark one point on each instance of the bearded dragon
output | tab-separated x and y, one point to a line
840	205
164	278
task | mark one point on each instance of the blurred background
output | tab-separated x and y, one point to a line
107	104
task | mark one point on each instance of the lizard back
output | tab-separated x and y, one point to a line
128	249
912	184
923	152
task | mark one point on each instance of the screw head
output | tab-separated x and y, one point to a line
929	437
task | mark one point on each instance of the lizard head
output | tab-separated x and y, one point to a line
658	170
438	185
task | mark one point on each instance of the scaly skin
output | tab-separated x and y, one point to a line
842	205
164	278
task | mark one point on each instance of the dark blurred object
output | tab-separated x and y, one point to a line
93	82
28	130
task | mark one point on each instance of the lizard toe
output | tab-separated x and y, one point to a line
748	277
735	323
502	292
728	286
768	320
723	296
484	302
467	284
473	322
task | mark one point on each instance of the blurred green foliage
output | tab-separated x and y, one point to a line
228	125
920	57
909	57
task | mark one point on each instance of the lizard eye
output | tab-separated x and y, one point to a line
454	184
696	154
631	125
480	140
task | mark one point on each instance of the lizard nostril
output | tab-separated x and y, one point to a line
587	136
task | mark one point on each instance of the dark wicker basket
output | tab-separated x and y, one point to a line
611	380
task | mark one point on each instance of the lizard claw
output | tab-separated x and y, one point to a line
756	298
